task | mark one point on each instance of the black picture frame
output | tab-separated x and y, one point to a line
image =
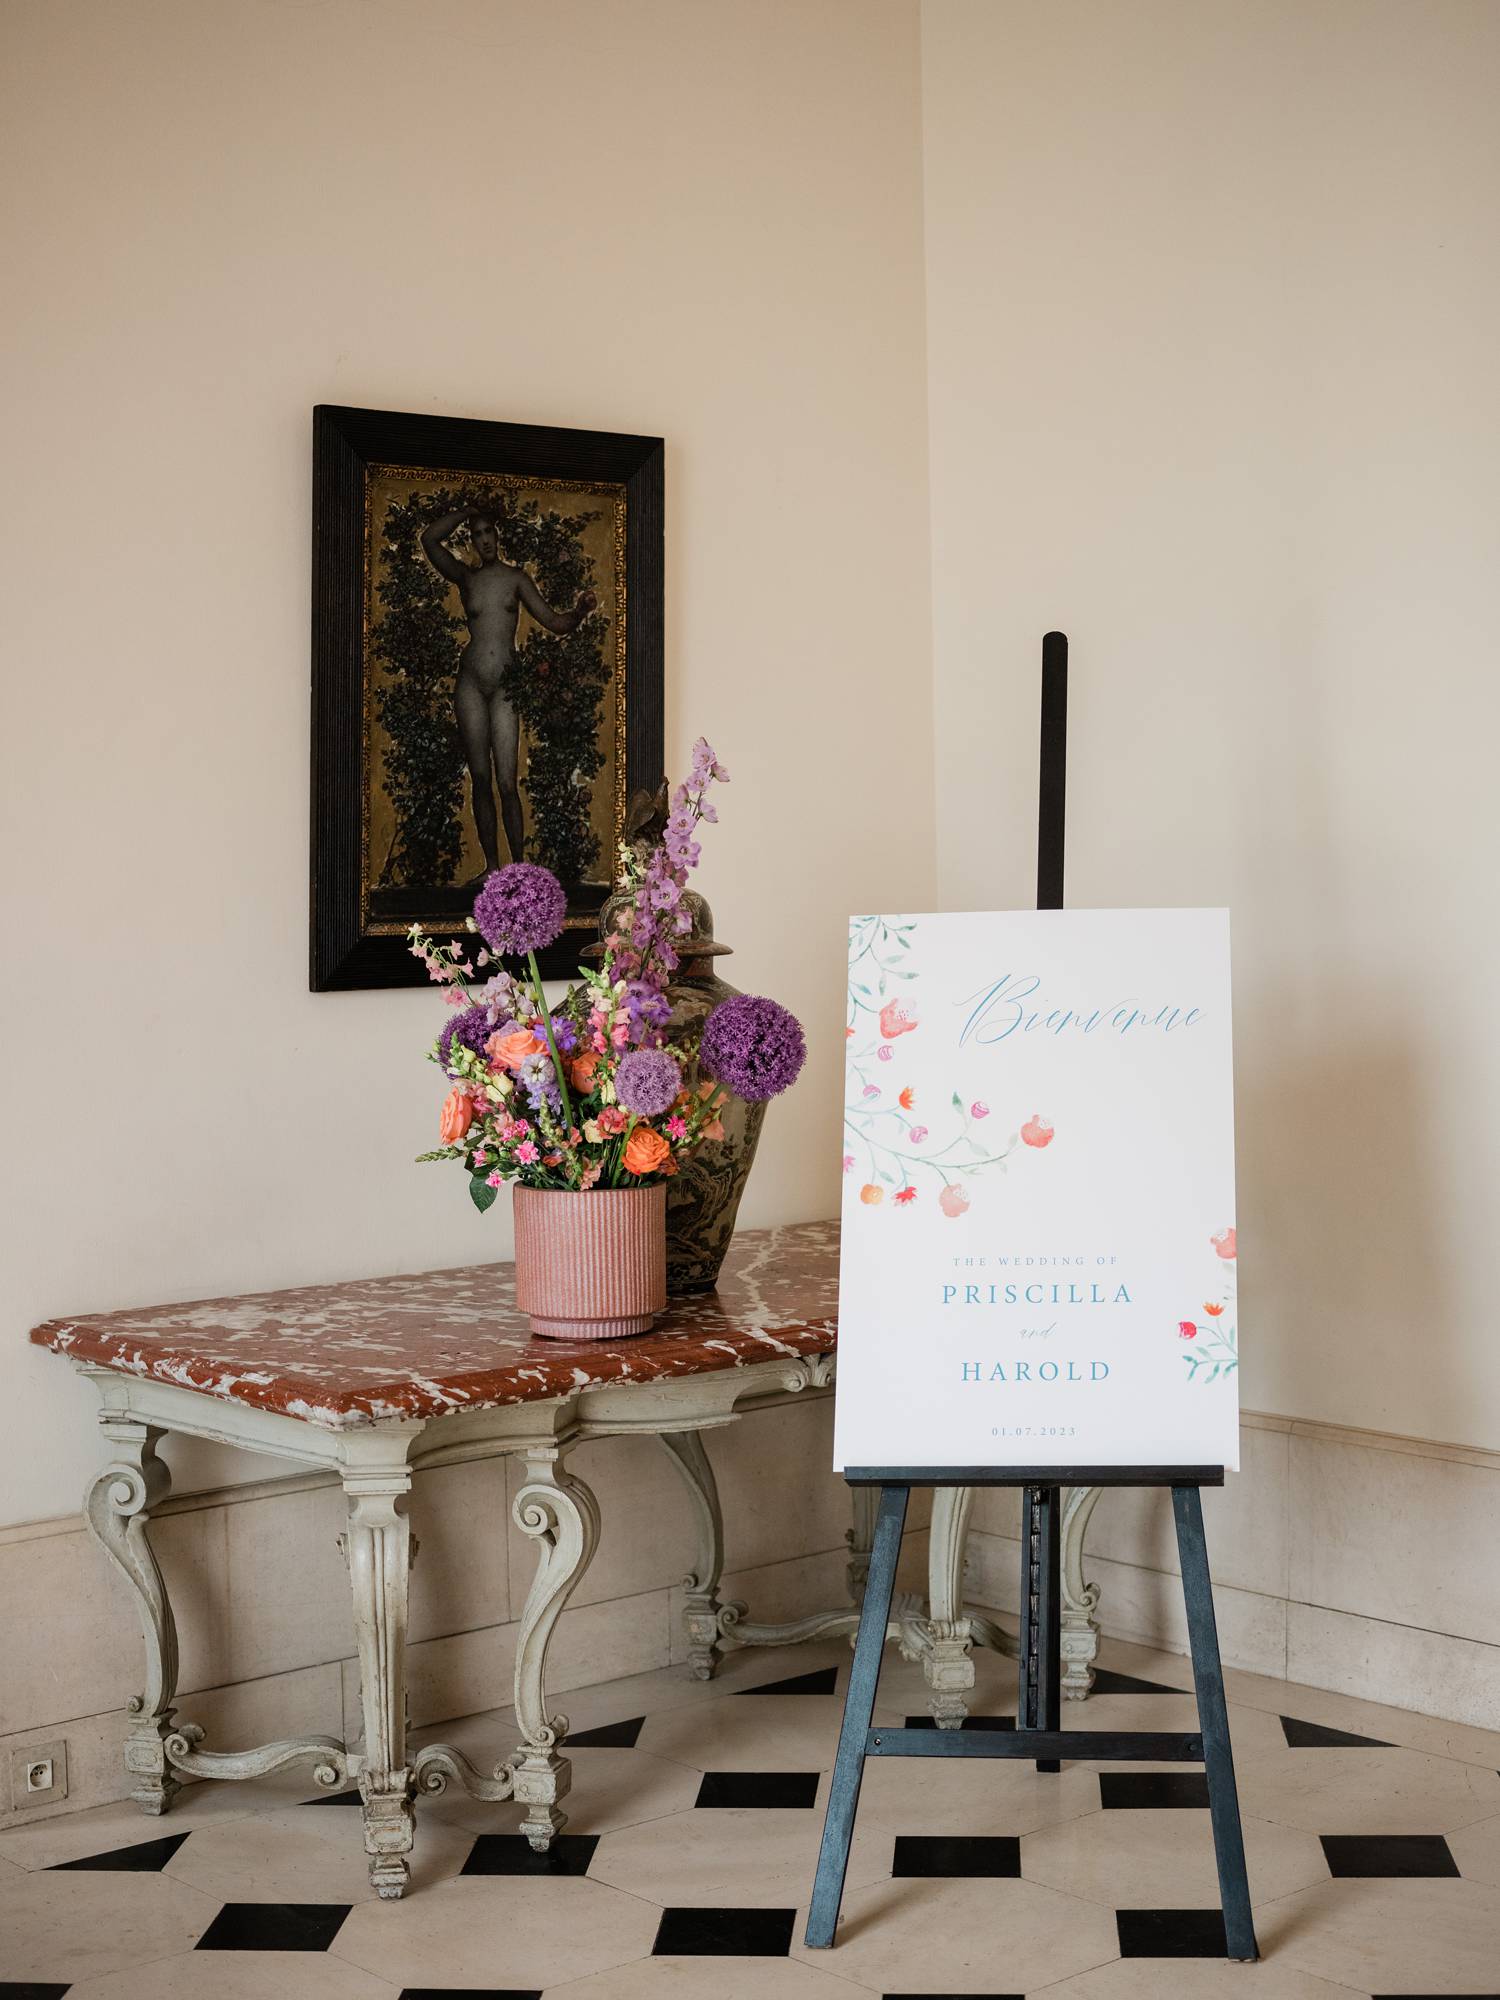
349	948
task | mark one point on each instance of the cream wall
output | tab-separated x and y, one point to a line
1212	304
664	217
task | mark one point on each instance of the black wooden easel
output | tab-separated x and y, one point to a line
1037	1733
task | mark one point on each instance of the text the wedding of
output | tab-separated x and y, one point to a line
1039	1254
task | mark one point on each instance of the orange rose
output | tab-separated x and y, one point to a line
581	1072
457	1117
645	1151
510	1051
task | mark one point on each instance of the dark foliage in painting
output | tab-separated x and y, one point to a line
555	687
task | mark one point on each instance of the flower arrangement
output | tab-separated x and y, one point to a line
591	1093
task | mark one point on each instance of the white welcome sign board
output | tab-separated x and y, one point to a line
1038	1251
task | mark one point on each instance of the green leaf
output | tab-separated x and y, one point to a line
481	1193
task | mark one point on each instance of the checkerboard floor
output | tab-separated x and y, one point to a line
1373	1840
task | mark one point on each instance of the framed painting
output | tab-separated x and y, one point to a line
486	673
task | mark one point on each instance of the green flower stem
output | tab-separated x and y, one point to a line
620	1156
541	1001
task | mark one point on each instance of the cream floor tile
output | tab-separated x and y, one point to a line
611	1788
708	1979
1389	1936
1476	1849
793	1732
992	1796
70	1926
761	1857
314	1854
1192	1979
1164	1860
655	1692
906	1935
122	1824
1434	1734
488	1930
1250	1729
247	1975
8	1868
1365	1791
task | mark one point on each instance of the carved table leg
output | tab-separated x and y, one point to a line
1080	1628
947	1663
864	1503
378	1547
117	1507
562	1517
701	1610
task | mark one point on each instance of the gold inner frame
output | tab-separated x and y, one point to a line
497	483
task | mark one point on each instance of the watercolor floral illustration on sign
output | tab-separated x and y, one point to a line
889	1134
1213	1349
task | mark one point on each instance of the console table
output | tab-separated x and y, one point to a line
379	1378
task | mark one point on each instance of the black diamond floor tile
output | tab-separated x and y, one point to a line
513	1854
957	1854
953	1996
1315	1736
708	1933
350	1798
30	1989
758	1788
608	1736
1350	1854
969	1722
1137	1791
274	1927
146	1857
1171	1933
823	1680
1108	1682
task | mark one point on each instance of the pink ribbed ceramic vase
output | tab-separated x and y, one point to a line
591	1266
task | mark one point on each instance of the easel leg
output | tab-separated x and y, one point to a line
859	1707
1213	1721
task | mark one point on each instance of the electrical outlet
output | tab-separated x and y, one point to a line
38	1774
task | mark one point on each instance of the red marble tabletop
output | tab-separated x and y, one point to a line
341	1356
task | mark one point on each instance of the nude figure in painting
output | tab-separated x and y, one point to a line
489	729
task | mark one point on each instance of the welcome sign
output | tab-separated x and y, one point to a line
1039	1256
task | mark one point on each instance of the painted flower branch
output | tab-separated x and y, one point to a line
892	1136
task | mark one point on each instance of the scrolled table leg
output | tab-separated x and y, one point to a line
701	1606
947	1654
377	1544
117	1507
561	1516
1080	1628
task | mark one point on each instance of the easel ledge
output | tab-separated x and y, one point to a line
1034	1475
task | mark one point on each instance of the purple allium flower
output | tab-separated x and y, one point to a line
471	1029
520	908
753	1046
647	1082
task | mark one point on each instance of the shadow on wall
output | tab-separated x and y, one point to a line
1341	1156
